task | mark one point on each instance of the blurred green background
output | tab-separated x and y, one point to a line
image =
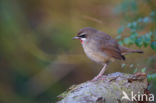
38	58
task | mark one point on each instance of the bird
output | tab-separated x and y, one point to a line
102	48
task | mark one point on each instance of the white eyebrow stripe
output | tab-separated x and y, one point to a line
83	34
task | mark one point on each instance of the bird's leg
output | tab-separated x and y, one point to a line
100	73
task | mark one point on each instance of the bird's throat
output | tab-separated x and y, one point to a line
81	41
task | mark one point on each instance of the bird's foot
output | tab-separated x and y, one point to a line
100	73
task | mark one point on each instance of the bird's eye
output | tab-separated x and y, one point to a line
83	36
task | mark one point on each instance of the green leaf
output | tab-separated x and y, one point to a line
139	41
140	20
133	37
132	65
135	34
123	65
118	37
143	70
146	20
154	37
151	77
138	64
152	13
153	45
134	24
135	70
154	34
120	42
129	25
120	30
147	39
133	29
150	34
127	41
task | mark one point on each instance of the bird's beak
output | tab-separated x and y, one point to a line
76	37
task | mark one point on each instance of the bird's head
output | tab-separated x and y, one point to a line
85	34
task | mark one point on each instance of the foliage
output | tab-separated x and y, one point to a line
152	77
146	39
141	29
140	26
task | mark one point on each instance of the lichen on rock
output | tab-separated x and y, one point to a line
107	89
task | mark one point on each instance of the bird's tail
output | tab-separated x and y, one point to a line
125	50
133	51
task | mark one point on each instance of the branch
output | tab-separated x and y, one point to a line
107	89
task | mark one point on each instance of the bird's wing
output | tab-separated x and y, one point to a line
110	47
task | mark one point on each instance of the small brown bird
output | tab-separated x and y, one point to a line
101	47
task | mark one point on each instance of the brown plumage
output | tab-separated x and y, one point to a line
101	47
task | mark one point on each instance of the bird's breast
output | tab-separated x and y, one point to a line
94	54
